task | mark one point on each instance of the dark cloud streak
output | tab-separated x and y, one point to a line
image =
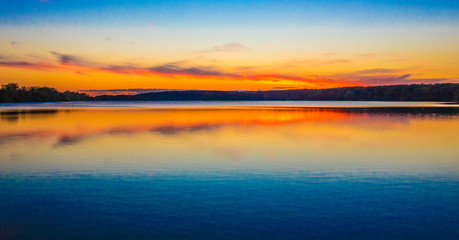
67	59
17	64
196	71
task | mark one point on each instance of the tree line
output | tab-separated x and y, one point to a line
11	92
444	92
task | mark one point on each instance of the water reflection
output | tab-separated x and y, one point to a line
228	138
239	172
14	115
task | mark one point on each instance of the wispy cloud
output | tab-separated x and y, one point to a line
397	79
377	71
67	59
301	62
333	61
381	79
171	69
228	47
273	77
16	64
187	68
383	76
195	71
6	62
368	55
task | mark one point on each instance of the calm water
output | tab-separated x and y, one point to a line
229	170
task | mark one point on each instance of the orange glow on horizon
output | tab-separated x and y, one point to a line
100	79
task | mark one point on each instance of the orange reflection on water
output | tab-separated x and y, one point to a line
242	137
76	123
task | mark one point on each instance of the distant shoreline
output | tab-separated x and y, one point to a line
444	92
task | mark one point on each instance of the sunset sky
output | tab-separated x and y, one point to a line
121	46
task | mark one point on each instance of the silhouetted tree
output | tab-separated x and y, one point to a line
11	92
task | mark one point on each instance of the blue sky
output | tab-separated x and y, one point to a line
203	13
227	45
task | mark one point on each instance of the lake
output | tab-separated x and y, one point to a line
229	170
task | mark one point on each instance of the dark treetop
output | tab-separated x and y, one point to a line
447	92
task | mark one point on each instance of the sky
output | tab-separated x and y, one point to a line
128	47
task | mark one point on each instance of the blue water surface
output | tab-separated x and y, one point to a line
230	205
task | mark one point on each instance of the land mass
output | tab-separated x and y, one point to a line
447	92
444	92
11	92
